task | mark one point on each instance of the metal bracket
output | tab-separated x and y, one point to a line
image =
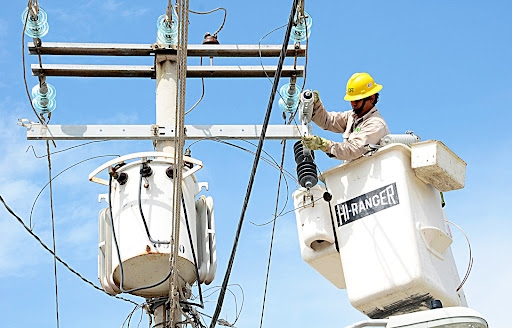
25	122
370	149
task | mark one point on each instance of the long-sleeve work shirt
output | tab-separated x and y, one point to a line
357	132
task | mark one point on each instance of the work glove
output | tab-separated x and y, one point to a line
316	96
315	142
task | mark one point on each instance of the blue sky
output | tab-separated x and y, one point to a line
445	67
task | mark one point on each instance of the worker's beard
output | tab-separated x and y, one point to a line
359	110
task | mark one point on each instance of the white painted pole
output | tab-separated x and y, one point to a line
160	317
166	85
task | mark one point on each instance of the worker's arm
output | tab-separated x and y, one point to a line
370	132
332	121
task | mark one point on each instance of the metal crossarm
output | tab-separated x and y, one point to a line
149	71
197	50
36	131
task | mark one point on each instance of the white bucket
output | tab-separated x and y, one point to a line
393	242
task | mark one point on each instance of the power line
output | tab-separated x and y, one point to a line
255	164
55	255
53	235
272	236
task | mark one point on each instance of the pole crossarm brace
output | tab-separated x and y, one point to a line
149	71
37	131
194	50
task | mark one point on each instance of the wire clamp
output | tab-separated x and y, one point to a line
25	122
155	130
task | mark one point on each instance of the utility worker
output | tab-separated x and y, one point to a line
360	126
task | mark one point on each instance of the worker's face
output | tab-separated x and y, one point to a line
362	106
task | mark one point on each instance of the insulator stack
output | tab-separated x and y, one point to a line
302	30
43	98
37	26
289	97
167	30
306	167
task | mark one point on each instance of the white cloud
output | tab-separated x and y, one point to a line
112	5
134	13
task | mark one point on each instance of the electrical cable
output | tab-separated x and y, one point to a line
335	234
237	311
53	236
53	178
271	161
261	57
305	59
141	317
179	143
274	164
201	305
272	236
63	150
287	212
211	11
255	164
129	317
470	264
202	92
336	244
56	256
139	202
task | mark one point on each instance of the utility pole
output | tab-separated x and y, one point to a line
164	137
166	74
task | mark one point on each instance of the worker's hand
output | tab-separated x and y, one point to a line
316	96
315	142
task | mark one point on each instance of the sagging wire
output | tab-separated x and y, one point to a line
255	165
63	150
36	237
141	307
287	212
273	233
202	92
237	311
192	318
261	56
319	172
470	264
201	59
209	12
53	178
33	6
270	160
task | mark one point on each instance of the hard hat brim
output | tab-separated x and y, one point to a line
373	91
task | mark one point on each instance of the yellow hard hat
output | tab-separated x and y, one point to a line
361	85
